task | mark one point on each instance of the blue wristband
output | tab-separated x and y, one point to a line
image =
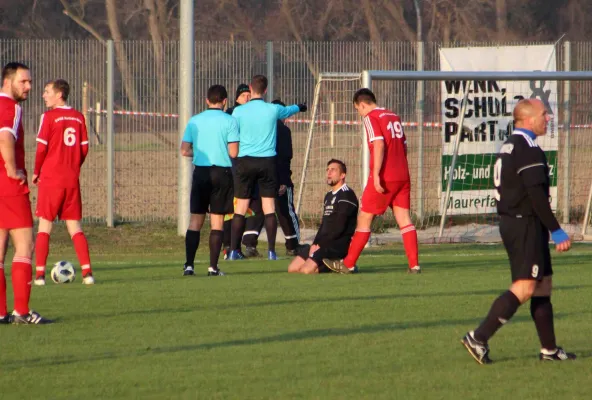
559	236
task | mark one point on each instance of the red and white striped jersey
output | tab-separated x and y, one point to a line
382	124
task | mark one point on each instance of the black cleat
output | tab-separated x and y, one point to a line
414	270
559	355
251	252
215	272
32	318
291	253
479	351
188	270
5	320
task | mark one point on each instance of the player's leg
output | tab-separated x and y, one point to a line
268	188
301	256
4	316
199	201
244	180
253	226
221	203
192	239
401	205
216	222
288	220
22	240
227	227
541	308
42	250
71	212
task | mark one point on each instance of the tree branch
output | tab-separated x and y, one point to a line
68	12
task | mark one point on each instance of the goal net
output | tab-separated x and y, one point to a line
455	123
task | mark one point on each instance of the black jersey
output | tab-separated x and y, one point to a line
340	213
520	164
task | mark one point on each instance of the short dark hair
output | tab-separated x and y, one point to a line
364	96
259	84
341	164
10	69
60	85
217	94
278	102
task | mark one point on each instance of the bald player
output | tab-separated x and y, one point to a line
521	179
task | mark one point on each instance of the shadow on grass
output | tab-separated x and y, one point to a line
281	338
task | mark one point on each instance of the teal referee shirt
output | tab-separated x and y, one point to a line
210	132
257	122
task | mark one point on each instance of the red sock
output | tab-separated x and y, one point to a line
41	252
3	309
22	275
355	248
81	247
410	243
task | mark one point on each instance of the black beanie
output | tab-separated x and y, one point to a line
242	88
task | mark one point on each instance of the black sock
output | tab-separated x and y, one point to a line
502	309
271	230
238	228
215	247
541	311
227	233
291	244
191	245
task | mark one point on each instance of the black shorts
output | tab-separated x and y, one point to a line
250	171
211	191
328	252
527	242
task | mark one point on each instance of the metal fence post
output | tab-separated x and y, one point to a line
186	71
269	54
567	127
110	132
419	115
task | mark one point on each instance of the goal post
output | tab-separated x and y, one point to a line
437	160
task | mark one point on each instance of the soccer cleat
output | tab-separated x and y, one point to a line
558	355
251	252
338	266
271	255
5	320
215	272
32	318
291	253
88	279
479	351
188	270
39	281
236	255
414	270
226	252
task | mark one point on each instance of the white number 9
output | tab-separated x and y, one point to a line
70	137
497	178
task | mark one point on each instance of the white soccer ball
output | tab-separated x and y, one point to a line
63	272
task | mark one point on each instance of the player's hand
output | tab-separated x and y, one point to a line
378	186
313	248
282	190
303	107
35	178
563	246
18	175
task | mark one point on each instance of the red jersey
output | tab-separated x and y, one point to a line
62	146
382	124
10	120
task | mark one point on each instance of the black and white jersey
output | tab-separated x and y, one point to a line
520	164
340	212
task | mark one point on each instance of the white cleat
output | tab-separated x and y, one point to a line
39	281
88	280
414	270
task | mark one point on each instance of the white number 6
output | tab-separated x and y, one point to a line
70	137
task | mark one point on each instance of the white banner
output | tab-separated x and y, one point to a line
488	118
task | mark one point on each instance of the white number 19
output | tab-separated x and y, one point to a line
396	129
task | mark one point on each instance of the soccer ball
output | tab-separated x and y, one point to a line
63	272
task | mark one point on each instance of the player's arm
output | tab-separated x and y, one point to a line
84	142
187	141
42	143
334	225
9	122
233	138
288	111
532	173
376	139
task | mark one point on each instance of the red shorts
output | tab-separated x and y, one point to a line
397	193
16	212
59	202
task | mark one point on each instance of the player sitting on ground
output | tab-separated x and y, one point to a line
337	226
62	146
388	184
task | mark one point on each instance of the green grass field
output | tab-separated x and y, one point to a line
144	331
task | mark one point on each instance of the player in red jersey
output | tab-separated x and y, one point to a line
62	146
388	184
16	220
